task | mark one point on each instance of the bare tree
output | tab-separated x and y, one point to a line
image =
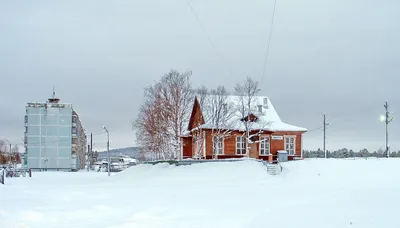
15	156
221	112
164	115
15	148
176	96
150	124
201	95
3	156
2	146
247	94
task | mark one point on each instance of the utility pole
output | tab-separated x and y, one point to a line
108	150
387	121
91	148
325	124
88	157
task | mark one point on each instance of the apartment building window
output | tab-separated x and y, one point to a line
290	144
240	145
264	145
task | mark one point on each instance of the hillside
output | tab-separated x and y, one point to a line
308	194
133	152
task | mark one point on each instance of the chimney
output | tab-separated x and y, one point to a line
265	102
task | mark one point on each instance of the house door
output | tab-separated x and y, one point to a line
253	150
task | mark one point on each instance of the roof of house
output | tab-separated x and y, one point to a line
261	107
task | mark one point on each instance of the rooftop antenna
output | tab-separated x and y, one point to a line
53	99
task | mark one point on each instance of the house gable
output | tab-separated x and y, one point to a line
196	118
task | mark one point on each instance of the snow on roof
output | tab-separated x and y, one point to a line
261	107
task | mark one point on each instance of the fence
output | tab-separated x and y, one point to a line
14	173
193	161
273	168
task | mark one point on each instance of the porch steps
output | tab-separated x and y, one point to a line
273	169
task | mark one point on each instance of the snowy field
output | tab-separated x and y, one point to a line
308	194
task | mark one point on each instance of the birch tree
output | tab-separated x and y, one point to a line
247	94
176	97
151	124
164	114
221	113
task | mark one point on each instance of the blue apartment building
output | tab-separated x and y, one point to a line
54	136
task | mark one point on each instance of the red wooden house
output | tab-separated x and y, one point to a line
270	134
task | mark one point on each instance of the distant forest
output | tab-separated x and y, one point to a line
348	153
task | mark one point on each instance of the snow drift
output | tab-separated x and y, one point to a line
310	194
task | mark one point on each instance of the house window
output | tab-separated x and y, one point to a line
264	145
219	145
240	145
290	144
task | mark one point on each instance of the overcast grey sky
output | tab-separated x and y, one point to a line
339	57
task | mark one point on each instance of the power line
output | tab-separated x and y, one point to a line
99	133
268	44
207	34
315	129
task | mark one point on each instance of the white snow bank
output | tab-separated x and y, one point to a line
308	194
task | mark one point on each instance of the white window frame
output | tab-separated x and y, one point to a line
243	145
291	152
263	144
220	150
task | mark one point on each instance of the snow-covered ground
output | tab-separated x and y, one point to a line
308	194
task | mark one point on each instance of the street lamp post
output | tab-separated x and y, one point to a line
108	150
